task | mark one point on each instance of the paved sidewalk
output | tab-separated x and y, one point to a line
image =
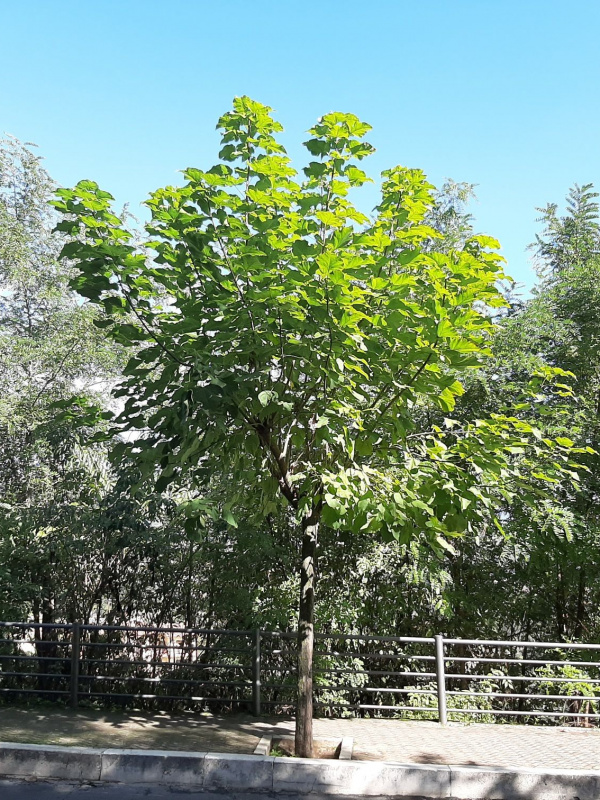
384	739
485	745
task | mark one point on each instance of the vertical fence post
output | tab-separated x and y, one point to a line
75	647
256	674
440	672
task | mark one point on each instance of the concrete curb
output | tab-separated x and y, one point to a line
213	771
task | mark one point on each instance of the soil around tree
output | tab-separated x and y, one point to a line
322	748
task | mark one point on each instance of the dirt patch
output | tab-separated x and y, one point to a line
322	748
135	729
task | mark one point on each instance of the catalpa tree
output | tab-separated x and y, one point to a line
281	335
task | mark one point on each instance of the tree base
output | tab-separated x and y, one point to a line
284	747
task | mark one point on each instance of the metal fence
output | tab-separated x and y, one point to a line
409	677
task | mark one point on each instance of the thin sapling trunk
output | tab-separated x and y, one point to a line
304	713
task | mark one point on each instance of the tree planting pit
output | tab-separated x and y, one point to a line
325	747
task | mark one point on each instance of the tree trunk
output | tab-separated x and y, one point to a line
304	712
560	605
580	613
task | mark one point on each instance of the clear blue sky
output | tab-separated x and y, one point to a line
499	93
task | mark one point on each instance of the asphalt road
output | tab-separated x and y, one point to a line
57	790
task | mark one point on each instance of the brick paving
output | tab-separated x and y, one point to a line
477	744
383	739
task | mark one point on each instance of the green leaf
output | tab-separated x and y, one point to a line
229	518
266	397
564	441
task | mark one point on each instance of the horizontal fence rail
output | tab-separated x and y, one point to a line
444	679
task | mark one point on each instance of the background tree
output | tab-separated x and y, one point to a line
49	349
550	560
572	239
